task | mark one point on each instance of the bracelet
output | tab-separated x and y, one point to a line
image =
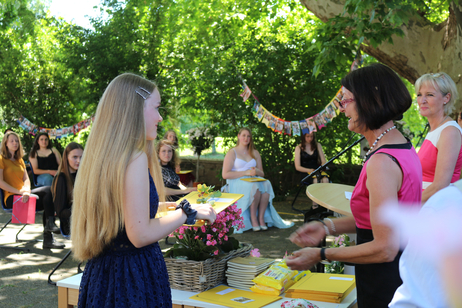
325	226
323	254
332	225
189	211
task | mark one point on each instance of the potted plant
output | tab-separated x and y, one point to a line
197	261
200	138
337	267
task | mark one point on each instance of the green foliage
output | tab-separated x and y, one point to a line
370	22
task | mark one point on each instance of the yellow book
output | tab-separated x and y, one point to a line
254	179
184	172
324	284
231	297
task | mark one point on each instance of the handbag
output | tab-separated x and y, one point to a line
23	212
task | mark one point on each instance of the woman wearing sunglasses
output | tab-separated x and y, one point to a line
441	152
373	97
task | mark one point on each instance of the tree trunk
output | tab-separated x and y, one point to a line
424	48
197	167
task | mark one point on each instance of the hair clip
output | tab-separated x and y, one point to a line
143	96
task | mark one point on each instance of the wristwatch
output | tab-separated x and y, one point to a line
323	256
189	211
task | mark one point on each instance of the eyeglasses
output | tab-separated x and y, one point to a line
344	102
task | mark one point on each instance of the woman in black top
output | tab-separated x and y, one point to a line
44	159
63	185
309	156
168	160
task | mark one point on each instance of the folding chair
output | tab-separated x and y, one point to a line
79	270
34	177
9	221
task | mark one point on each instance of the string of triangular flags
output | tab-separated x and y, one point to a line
54	133
303	126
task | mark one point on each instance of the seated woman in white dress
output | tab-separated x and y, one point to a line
244	161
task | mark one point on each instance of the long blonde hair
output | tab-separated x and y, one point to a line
117	136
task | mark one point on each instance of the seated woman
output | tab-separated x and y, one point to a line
441	151
309	156
15	181
168	160
244	161
188	178
44	159
63	184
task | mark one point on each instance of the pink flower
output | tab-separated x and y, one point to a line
208	243
255	253
203	229
180	237
209	236
215	252
196	237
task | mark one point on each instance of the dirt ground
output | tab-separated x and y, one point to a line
24	275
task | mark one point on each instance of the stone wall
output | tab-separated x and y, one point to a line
210	173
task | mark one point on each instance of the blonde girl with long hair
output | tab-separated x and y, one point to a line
116	200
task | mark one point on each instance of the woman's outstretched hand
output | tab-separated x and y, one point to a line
310	234
303	259
205	212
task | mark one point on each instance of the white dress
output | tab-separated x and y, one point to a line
248	189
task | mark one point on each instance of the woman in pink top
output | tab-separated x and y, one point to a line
441	151
373	97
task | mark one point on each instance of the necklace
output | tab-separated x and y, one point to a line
377	140
441	122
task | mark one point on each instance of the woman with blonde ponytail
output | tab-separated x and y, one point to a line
116	200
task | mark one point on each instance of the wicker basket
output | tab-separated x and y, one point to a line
198	276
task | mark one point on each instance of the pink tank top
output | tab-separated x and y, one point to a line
428	155
411	188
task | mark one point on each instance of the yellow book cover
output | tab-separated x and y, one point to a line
231	297
254	179
324	284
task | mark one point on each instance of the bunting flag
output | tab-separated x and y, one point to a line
299	127
54	133
246	94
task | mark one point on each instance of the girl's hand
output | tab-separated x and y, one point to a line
52	172
205	212
25	196
252	171
190	189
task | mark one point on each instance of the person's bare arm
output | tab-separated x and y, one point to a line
141	229
448	150
259	169
384	178
321	154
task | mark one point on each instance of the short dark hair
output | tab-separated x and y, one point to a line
379	93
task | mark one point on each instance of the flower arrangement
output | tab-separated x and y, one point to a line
337	267
200	138
208	241
207	192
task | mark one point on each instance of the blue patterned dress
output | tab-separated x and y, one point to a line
126	276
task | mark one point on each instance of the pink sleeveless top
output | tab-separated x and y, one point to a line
428	155
411	188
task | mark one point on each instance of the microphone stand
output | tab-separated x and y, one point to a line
320	168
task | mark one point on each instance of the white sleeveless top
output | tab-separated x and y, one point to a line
242	165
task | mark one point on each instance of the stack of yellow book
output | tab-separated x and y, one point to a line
332	288
242	270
